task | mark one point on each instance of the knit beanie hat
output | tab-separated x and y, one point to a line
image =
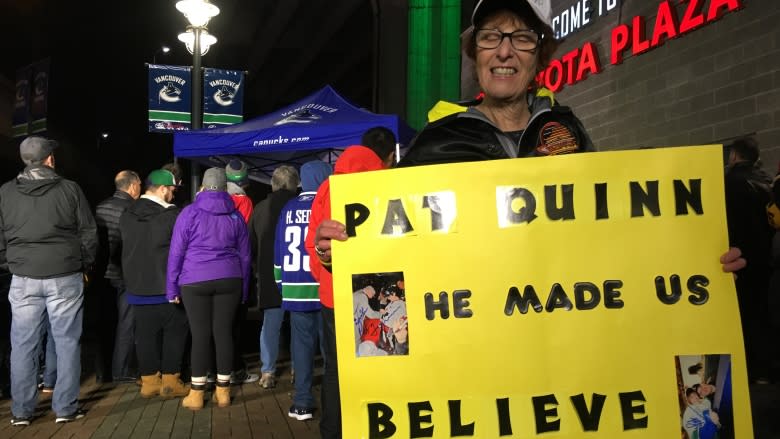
214	180
237	172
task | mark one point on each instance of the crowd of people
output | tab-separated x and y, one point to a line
186	272
179	279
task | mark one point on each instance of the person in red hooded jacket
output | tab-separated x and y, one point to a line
375	153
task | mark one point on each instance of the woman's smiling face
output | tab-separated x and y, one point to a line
505	73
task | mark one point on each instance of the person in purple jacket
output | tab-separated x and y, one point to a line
208	270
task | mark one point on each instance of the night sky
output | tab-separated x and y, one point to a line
98	73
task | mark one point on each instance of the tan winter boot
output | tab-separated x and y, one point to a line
150	385
194	401
172	387
222	394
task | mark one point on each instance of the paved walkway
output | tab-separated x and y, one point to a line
117	411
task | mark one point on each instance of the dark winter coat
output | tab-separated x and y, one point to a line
46	225
748	190
262	227
470	136
107	215
146	228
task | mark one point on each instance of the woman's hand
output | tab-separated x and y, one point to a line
326	231
732	260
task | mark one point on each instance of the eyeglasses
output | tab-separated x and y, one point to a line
524	39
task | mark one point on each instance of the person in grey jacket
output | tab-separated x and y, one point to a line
49	238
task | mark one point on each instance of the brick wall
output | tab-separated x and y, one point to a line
715	83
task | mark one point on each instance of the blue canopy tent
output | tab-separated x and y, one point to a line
318	126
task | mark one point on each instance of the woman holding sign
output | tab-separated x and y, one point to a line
510	41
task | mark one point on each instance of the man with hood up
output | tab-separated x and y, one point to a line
297	287
49	239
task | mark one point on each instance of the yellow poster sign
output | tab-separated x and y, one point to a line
558	297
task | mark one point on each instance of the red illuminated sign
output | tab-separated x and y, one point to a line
575	66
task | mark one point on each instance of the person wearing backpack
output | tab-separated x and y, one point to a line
748	190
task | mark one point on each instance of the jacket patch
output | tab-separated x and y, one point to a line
555	138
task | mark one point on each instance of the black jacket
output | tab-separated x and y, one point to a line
262	228
146	228
747	194
46	225
470	136
107	215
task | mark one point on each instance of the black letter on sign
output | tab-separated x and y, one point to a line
589	420
696	286
443	305
565	212
684	198
542	413
527	213
611	294
504	420
396	217
456	427
640	198
602	209
514	299
355	214
660	289
460	304
558	299
416	419
628	409
580	288
379	424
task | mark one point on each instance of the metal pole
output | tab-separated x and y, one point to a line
196	116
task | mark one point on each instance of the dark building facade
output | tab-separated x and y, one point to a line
692	72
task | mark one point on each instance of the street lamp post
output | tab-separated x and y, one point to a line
198	41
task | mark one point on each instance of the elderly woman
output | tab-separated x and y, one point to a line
208	269
510	41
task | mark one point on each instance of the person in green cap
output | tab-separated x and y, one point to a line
237	175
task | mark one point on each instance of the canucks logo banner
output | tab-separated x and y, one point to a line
39	96
223	97
21	115
170	97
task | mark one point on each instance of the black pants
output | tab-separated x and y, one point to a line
238	357
100	304
752	294
330	424
123	360
160	334
211	307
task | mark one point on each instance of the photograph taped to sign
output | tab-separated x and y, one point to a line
379	314
704	386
